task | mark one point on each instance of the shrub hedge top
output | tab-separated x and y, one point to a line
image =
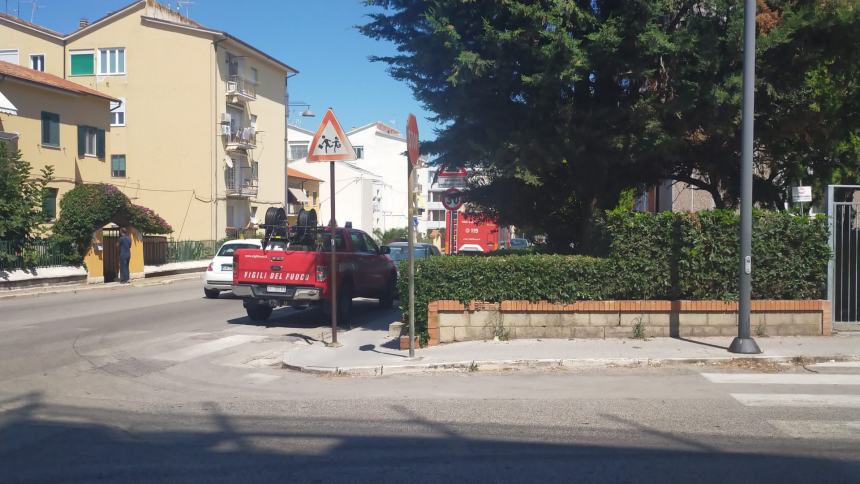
649	256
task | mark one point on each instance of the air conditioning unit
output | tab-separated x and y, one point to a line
225	129
226	118
231	87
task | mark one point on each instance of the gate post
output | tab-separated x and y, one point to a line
831	238
94	259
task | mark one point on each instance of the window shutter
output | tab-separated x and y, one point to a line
82	141
100	143
46	129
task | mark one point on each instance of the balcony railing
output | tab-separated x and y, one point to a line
241	87
241	182
241	138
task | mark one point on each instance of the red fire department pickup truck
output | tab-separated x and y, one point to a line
294	270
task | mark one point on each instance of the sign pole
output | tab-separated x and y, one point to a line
411	249
744	343
333	267
413	152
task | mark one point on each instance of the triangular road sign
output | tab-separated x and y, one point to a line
330	142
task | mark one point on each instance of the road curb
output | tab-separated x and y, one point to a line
470	366
105	287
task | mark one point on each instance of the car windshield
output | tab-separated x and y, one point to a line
227	250
400	252
519	243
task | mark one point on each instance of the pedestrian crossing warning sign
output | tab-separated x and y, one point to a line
330	142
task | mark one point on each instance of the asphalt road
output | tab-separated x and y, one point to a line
158	384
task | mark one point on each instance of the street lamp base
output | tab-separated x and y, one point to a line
744	346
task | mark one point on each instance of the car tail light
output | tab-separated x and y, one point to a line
209	269
322	273
235	268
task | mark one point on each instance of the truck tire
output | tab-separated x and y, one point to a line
386	299
211	293
258	312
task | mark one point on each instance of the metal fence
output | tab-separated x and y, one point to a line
37	253
843	282
159	250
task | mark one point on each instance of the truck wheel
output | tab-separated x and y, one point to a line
258	312
211	293
386	300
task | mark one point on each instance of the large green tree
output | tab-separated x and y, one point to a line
20	200
563	104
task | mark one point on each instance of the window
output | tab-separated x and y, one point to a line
371	245
117	166
111	61
91	142
9	55
255	169
117	112
357	242
254	75
359	152
313	198
227	250
37	62
298	151
49	203
50	129
83	63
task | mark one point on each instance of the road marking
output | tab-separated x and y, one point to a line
262	377
796	400
194	351
104	348
783	378
817	429
837	364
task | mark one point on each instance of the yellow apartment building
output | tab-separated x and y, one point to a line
198	127
304	193
56	122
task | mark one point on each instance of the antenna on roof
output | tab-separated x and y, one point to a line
33	9
184	3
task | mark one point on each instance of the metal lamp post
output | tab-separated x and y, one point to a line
744	343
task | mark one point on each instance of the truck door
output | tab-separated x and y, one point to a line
363	265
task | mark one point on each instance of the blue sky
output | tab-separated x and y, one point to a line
317	37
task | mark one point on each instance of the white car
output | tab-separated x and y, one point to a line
219	275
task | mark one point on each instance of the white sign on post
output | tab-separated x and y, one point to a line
330	142
801	194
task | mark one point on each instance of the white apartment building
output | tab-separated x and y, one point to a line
372	190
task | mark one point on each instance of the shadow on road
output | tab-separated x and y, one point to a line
366	315
42	442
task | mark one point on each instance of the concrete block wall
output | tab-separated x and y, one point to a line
450	321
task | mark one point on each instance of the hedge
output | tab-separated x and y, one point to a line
648	256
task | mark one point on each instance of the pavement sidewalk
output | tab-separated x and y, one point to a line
75	288
369	351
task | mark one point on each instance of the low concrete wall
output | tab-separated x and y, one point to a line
450	321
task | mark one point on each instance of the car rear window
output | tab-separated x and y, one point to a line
227	250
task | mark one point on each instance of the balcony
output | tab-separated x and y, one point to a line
241	182
241	89
241	138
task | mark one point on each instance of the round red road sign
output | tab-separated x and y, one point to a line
452	199
412	149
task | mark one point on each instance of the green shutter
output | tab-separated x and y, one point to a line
100	143
82	141
50	129
49	203
83	64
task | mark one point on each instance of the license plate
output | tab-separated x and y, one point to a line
226	267
280	289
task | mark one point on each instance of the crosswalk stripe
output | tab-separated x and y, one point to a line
194	351
796	400
783	378
818	429
262	377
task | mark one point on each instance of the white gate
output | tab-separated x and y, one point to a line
843	275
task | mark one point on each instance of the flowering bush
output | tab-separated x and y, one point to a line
89	207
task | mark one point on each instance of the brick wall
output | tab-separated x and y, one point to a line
450	321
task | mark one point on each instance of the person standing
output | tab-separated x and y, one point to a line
124	255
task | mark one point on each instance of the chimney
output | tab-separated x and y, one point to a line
83	23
